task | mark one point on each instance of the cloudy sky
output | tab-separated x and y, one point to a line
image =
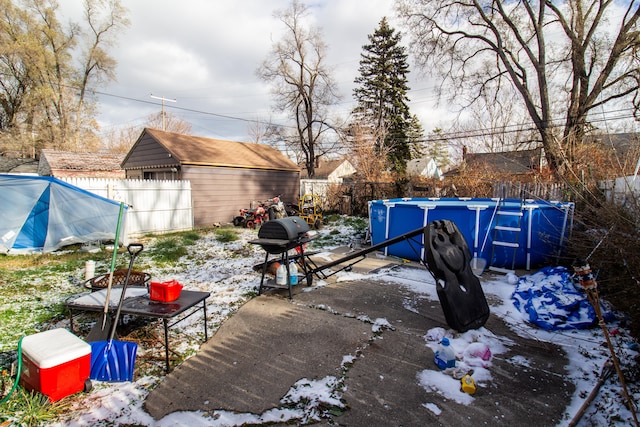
203	54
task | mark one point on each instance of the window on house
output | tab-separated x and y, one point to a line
162	174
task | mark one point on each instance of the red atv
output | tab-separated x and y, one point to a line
269	209
250	218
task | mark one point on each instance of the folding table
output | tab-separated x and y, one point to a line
137	303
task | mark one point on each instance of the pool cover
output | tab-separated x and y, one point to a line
550	300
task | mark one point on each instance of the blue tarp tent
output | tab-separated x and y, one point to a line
42	214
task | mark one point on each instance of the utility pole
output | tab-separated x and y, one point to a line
163	99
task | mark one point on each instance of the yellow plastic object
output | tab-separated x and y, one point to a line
310	209
468	384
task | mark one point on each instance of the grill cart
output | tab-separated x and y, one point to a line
278	237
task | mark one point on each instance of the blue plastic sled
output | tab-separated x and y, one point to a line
112	361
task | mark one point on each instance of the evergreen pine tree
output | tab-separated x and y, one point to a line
382	96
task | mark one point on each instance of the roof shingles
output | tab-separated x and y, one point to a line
196	150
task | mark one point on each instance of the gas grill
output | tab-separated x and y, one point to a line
278	237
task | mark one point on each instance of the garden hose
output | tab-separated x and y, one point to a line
15	384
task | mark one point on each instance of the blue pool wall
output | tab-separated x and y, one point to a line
546	226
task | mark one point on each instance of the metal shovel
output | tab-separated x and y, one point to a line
100	331
114	360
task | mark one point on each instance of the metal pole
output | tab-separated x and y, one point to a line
163	99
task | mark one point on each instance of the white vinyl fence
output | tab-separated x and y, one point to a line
154	206
623	190
315	186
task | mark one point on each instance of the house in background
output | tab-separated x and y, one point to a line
508	162
327	172
333	171
225	176
424	167
68	164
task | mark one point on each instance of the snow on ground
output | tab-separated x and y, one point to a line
226	270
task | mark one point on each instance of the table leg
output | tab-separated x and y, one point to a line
166	344
204	310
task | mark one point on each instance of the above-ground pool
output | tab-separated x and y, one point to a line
544	227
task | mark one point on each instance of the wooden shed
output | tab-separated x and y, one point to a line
225	176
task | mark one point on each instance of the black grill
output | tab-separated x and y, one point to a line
280	235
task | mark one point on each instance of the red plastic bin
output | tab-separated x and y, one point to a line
55	363
165	291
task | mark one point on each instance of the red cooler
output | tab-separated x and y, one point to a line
55	363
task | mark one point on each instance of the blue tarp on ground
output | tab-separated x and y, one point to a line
42	214
550	300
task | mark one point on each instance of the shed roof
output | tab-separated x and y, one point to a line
198	150
54	160
515	162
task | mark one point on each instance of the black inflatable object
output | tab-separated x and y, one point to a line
448	259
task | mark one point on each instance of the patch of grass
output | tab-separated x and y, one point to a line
30	409
346	230
332	218
190	237
226	235
250	294
168	250
171	247
357	223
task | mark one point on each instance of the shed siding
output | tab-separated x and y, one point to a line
149	153
219	193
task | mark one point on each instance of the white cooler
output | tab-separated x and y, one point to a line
55	363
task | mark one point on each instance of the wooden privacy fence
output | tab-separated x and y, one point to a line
530	190
154	206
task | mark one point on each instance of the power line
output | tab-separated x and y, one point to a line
208	113
472	133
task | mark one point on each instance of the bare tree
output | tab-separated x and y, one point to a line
490	46
263	131
105	19
120	140
302	84
168	122
365	153
48	69
496	124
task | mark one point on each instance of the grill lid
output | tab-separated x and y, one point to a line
290	228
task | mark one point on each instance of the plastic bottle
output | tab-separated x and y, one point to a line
468	385
293	273
281	275
445	357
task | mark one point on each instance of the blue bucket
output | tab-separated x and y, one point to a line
112	361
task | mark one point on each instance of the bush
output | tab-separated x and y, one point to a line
607	236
